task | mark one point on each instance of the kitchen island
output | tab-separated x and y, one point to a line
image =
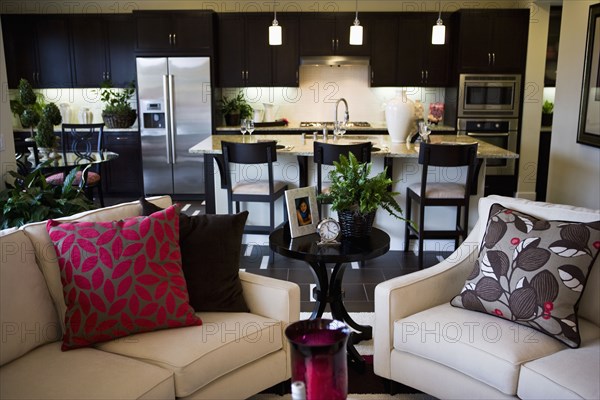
293	166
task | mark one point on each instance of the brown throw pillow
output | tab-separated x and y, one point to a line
210	256
532	272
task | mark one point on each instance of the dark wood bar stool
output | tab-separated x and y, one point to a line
432	194
261	190
327	153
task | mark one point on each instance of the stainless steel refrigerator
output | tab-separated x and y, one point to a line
175	107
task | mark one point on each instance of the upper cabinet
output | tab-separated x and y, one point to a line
324	34
384	48
36	48
245	57
174	32
103	49
419	62
492	40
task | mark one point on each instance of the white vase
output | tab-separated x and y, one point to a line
85	116
399	114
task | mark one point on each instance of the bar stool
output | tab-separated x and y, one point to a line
327	153
83	140
261	190
435	194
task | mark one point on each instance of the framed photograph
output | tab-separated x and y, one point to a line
589	114
302	209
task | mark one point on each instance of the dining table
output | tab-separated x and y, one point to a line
301	146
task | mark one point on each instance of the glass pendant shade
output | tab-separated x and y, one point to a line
356	34
275	34
438	34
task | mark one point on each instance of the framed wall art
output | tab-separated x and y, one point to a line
589	114
302	210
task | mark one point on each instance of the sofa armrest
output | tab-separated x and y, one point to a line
271	298
409	294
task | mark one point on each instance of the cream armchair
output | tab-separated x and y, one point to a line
423	342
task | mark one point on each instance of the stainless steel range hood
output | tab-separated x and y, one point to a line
334	61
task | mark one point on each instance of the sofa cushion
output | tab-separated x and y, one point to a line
532	271
47	373
44	249
121	277
547	377
200	354
27	315
210	256
481	346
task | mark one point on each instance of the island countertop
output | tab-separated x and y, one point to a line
383	147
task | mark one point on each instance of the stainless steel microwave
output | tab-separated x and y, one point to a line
489	95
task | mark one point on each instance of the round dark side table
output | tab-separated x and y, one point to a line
329	289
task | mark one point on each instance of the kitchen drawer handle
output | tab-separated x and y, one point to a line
175	39
170	38
481	134
332	44
422	75
493	58
489	58
426	75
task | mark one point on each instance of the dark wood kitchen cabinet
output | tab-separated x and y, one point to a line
36	47
123	175
419	62
492	40
324	34
174	32
384	48
245	56
103	49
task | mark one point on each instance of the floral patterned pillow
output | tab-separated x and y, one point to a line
532	272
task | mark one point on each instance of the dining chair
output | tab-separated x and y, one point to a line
23	149
436	194
327	153
252	190
85	142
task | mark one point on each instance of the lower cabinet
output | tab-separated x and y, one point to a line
124	174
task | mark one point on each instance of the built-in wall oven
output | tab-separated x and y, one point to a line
497	131
489	95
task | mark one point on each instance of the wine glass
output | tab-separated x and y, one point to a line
339	128
424	131
243	126
250	126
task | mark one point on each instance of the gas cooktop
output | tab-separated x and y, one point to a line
350	124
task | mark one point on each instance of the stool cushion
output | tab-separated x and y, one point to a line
59	178
439	190
257	187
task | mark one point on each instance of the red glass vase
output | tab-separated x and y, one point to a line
318	356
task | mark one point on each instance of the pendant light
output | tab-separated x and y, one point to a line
438	34
356	31
275	30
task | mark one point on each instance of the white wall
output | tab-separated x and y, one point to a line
7	146
574	175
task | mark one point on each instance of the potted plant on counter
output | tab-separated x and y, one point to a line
356	196
117	112
45	138
547	113
235	109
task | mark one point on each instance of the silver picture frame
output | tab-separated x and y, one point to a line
302	210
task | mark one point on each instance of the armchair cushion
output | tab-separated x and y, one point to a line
532	272
121	277
210	255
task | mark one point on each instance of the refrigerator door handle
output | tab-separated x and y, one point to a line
172	118
168	122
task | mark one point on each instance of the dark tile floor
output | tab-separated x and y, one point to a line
359	280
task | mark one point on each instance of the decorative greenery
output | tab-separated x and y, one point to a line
116	101
27	105
45	136
547	107
30	199
353	189
236	105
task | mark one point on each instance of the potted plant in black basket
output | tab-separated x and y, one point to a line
356	196
235	109
547	113
117	112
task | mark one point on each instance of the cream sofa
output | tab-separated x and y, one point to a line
416	341
231	356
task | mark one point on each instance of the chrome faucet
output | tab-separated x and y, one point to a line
346	114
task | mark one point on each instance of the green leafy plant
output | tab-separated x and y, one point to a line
548	107
352	189
27	106
45	136
236	105
116	101
30	199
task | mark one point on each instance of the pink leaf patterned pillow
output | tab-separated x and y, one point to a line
121	277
